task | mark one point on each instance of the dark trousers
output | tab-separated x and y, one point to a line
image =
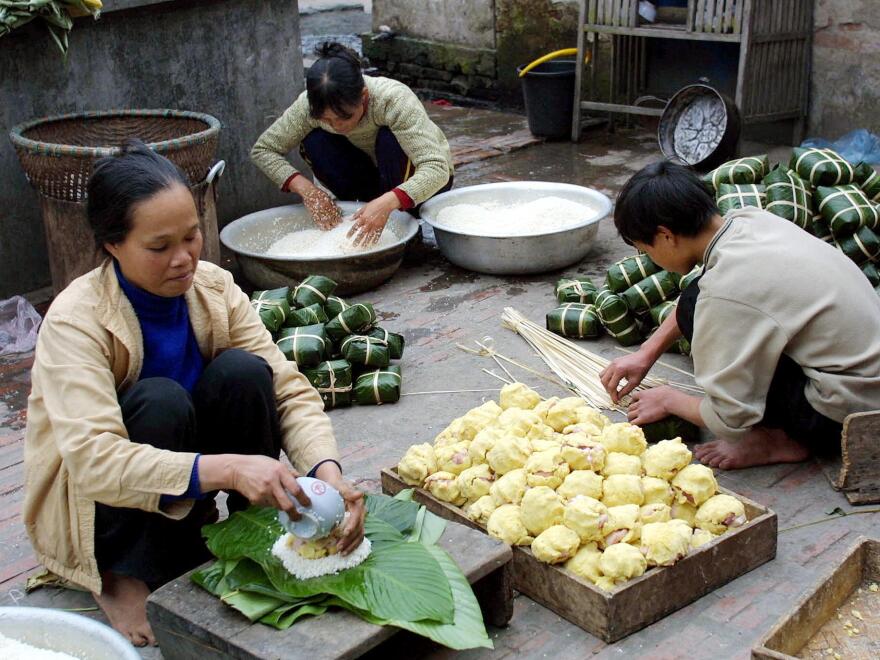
350	174
232	410
786	406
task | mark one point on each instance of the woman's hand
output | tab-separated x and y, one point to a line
353	533
323	210
262	480
632	367
370	220
651	405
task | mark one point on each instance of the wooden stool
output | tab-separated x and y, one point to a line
191	624
856	471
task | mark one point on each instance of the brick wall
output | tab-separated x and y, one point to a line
845	87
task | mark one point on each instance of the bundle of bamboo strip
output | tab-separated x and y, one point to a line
576	366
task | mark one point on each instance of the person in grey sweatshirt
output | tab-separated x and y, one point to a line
783	326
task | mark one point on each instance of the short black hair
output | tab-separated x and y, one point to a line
335	81
667	194
121	181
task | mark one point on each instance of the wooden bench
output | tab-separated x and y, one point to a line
191	624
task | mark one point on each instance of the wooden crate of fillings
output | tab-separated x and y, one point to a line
839	617
641	601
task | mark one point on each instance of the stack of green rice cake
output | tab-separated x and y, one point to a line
337	345
636	298
819	191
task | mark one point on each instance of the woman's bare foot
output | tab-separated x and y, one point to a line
124	601
761	446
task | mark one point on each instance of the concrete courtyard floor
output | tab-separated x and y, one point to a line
435	306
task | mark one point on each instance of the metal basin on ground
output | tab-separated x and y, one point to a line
65	632
514	255
250	237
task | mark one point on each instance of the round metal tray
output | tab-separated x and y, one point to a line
514	255
65	632
250	236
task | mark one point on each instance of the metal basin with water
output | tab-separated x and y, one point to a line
514	255
250	236
66	632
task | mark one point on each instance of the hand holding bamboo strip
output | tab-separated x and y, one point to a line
576	366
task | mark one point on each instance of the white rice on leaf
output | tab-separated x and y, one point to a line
304	569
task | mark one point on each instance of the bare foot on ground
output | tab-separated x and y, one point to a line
760	446
124	601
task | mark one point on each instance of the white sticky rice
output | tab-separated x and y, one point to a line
303	568
12	649
498	218
319	243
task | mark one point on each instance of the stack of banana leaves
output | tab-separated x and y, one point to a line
337	345
407	581
56	14
636	297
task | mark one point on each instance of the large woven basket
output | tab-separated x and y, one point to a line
57	153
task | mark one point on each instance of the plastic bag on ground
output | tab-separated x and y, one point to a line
856	146
19	323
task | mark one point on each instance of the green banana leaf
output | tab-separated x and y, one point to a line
400	512
671	427
467	631
391	523
399	580
285	616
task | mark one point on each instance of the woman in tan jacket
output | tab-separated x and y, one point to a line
155	385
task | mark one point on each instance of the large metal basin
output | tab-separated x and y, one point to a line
250	236
514	255
66	632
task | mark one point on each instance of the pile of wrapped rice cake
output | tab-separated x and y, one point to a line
583	492
337	345
636	297
819	191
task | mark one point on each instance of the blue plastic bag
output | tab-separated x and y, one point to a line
859	146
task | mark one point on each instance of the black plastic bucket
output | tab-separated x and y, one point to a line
548	90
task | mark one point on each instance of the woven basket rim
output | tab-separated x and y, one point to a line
18	139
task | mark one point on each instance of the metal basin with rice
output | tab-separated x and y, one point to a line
65	632
252	235
515	255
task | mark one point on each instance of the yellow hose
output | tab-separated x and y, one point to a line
553	56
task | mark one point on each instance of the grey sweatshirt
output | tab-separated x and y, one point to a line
770	288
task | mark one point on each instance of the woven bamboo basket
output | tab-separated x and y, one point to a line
57	153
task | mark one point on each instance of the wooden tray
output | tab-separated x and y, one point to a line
813	625
638	603
191	624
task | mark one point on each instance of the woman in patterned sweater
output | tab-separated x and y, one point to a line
364	138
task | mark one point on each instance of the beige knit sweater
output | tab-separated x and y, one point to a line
391	104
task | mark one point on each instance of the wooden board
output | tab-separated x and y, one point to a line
813	625
191	624
638	603
856	471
